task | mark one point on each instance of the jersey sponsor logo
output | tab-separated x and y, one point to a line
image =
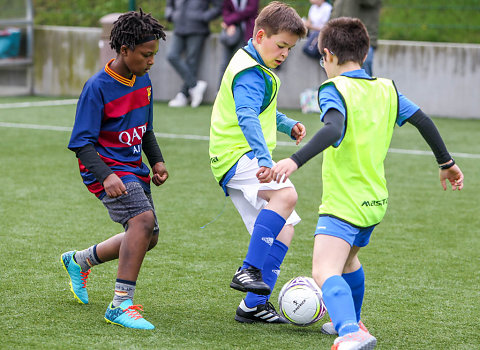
125	138
133	135
375	203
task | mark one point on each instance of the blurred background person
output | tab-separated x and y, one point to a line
237	26
368	11
318	15
191	19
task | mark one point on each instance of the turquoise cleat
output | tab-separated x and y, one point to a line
78	279
126	315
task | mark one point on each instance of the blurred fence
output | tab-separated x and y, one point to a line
417	20
442	78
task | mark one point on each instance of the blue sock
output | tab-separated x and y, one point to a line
339	302
267	227
270	272
356	281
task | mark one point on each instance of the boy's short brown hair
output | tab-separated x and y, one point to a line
345	37
278	17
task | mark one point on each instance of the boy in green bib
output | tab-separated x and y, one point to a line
359	112
243	131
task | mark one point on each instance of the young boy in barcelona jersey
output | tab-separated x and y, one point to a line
242	137
113	125
359	112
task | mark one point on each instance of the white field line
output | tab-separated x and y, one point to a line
38	104
206	138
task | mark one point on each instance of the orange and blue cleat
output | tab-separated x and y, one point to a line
127	315
78	278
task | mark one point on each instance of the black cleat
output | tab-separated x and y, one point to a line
250	280
265	313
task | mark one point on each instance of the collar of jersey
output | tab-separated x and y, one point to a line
118	77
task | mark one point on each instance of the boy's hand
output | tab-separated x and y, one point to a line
454	175
114	186
160	173
299	132
264	174
283	169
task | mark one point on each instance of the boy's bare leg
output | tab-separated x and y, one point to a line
281	201
109	249
134	244
285	236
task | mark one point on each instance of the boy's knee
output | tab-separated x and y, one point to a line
153	242
290	197
144	222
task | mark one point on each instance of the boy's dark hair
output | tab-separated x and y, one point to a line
345	37
278	17
133	28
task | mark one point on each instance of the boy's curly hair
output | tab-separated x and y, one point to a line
132	28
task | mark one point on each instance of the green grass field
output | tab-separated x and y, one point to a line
422	265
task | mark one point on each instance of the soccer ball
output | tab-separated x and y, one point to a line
300	301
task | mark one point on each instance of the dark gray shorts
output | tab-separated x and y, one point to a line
127	206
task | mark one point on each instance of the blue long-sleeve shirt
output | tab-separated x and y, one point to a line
252	94
331	98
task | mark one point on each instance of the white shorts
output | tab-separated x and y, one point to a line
243	189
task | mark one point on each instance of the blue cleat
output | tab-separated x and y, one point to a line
78	279
126	315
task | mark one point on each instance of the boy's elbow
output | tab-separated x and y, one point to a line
337	136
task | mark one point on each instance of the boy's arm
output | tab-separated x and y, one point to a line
110	181
448	170
252	130
248	92
86	129
430	133
293	128
91	160
155	158
330	133
151	149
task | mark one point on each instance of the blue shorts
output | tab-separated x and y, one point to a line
355	236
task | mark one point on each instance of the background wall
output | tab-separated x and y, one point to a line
442	78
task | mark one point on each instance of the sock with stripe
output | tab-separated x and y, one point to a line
267	227
270	272
356	281
339	302
124	290
87	258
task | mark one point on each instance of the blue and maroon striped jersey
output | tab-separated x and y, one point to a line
113	114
